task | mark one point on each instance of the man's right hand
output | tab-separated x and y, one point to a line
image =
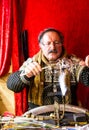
32	69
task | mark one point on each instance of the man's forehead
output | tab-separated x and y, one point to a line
50	35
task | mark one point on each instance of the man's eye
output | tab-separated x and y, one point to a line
56	42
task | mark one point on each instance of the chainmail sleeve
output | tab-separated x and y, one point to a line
84	76
15	83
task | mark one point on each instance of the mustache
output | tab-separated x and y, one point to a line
52	51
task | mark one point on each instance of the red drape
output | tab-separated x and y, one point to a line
5	39
17	56
10	46
71	17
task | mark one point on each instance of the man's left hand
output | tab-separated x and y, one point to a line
87	60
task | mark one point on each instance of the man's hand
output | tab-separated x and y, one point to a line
87	60
32	69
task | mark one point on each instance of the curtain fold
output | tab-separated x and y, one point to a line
11	46
5	40
21	99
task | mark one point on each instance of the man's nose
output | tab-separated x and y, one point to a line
52	45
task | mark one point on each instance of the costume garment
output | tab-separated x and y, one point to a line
40	86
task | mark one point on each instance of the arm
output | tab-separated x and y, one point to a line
15	83
81	70
21	78
84	76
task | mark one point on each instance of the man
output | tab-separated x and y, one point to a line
50	70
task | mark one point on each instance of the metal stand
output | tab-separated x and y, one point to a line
57	114
56	104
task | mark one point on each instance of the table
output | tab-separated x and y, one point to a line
23	123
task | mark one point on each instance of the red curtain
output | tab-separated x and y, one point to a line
21	99
5	39
10	45
71	17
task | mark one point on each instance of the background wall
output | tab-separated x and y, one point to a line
69	16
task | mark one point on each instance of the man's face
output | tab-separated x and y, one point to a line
51	46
